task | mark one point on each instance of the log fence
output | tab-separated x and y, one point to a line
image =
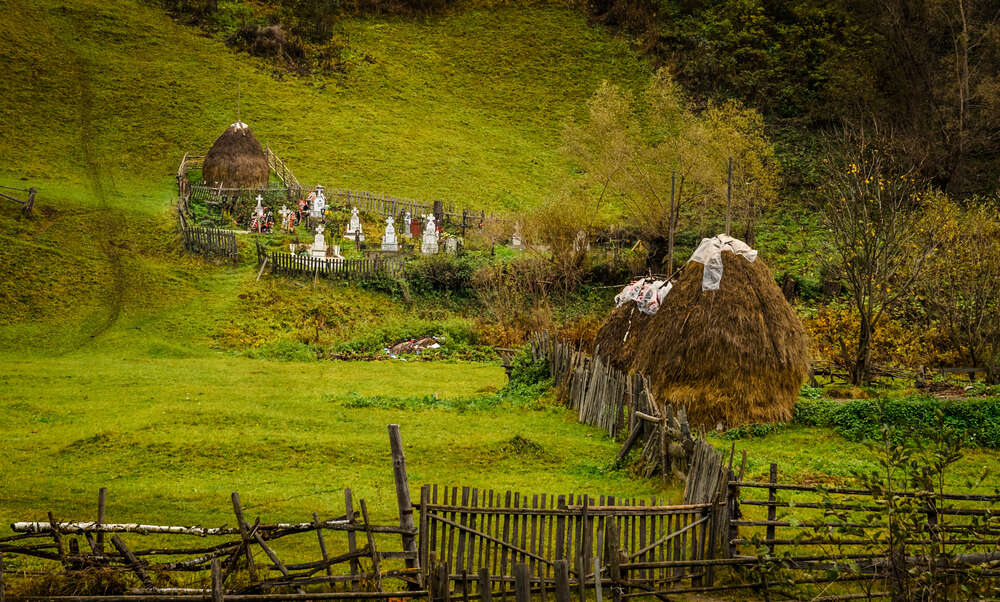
469	543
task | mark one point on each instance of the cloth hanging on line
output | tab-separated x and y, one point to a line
709	254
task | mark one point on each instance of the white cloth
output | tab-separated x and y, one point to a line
652	295
709	254
648	294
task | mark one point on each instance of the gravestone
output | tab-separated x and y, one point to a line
319	243
318	208
451	245
581	243
287	218
429	243
389	242
407	220
515	238
354	227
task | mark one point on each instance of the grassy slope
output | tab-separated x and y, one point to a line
467	106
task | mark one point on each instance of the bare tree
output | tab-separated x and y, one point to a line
879	240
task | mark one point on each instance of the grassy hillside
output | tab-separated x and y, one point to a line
102	99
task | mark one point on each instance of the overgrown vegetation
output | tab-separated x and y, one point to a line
976	421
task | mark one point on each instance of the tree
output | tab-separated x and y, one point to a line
960	285
663	166
879	239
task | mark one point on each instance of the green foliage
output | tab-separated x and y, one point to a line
976	420
285	350
527	371
441	275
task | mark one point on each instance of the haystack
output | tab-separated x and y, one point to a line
236	160
735	355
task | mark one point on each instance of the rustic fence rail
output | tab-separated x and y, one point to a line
388	205
209	241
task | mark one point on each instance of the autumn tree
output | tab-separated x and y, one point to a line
959	288
664	166
880	239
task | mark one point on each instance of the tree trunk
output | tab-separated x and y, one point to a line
861	374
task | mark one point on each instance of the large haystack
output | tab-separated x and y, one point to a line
236	160
616	340
734	356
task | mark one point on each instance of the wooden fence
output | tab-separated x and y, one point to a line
209	241
327	267
468	543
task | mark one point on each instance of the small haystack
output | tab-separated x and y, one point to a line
734	356
236	160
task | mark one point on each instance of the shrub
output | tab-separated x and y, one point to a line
441	274
977	420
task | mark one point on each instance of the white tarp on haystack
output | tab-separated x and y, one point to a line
709	254
647	293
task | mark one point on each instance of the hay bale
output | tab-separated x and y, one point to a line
236	160
616	339
734	356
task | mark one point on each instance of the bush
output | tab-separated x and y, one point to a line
978	420
441	274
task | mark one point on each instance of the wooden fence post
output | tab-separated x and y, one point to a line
522	582
217	588
3	591
485	586
562	580
102	498
772	510
403	497
352	543
244	535
614	562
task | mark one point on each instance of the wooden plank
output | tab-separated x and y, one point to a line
485	586
771	510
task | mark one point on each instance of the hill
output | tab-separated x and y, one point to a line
466	106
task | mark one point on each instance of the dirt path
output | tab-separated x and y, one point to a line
100	184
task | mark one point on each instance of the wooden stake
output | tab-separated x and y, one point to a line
485	586
403	497
322	544
522	582
352	542
371	546
3	594
729	192
102	498
244	535
217	587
